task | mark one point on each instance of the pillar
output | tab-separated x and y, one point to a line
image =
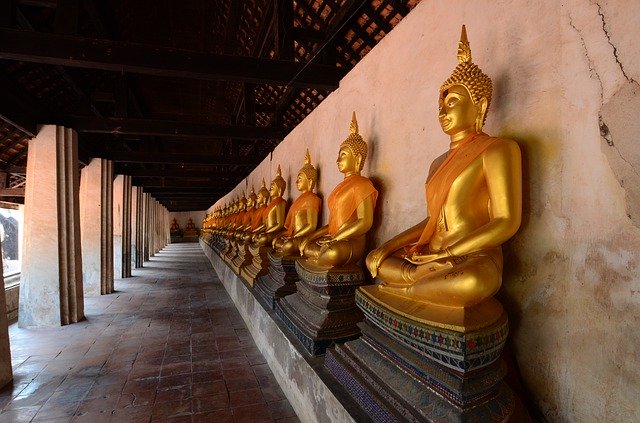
137	227
6	373
118	214
147	225
51	291
122	226
96	219
158	226
126	228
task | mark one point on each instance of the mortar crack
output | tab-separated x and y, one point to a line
606	135
590	64
615	49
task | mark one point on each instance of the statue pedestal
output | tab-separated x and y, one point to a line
281	279
227	247
259	265
240	258
322	311
387	370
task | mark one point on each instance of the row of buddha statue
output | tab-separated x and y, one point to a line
342	241
440	274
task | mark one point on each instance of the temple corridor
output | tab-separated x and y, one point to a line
168	345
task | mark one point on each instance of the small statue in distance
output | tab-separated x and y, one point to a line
275	212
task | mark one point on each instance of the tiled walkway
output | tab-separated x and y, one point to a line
167	346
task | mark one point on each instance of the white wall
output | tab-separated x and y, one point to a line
572	284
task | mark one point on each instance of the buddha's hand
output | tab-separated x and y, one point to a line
325	240
303	245
418	259
375	258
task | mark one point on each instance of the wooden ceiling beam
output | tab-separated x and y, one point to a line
165	128
177	158
116	56
212	183
173	173
198	191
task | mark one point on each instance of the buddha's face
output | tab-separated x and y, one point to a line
273	190
250	202
457	111
303	183
347	161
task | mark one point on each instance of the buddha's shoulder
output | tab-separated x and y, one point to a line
503	145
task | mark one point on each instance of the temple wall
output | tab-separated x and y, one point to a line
183	218
564	73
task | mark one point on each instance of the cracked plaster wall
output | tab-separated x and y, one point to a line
561	72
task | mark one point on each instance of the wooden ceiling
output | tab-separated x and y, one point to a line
186	97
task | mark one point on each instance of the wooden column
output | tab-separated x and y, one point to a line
51	292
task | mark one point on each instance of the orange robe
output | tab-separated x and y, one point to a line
345	199
258	216
306	201
438	186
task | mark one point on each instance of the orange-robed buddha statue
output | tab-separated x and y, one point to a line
275	212
453	258
190	225
351	207
302	218
174	226
258	214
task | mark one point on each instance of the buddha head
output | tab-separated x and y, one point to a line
464	97
278	185
243	202
251	199
353	151
263	194
307	176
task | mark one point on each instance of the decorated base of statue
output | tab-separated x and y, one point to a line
241	258
322	311
259	265
228	250
217	243
281	279
426	367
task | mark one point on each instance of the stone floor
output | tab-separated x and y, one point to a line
168	345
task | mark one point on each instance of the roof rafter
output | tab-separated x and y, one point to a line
160	61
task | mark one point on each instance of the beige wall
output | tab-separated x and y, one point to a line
572	283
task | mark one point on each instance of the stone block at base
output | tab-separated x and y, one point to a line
322	311
406	368
281	279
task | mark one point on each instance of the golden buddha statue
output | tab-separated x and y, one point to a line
174	226
190	225
244	223
275	211
351	207
302	218
453	258
257	217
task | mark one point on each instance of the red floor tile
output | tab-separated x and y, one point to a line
168	345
